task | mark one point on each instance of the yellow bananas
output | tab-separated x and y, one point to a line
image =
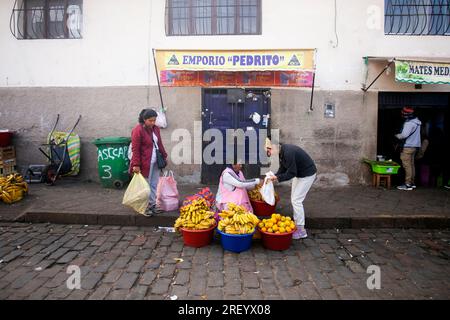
195	216
236	220
12	188
255	194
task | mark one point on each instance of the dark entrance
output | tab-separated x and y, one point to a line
224	109
433	110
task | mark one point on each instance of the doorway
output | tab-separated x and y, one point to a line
224	109
433	110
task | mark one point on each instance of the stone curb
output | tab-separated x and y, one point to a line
168	220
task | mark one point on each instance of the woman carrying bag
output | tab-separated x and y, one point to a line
148	154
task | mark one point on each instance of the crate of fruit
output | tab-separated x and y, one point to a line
383	167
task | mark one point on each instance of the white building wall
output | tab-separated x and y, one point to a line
118	36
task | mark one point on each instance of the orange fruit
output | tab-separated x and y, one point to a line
274	220
261	225
288	229
283	219
264	229
282	230
269	224
278	232
282	224
288	218
270	230
275	228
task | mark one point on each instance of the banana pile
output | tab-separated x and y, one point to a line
236	220
12	188
255	194
195	216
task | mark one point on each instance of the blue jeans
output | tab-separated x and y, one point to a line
153	178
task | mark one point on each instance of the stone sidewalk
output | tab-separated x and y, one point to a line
143	263
75	202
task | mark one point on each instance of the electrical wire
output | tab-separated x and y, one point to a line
335	25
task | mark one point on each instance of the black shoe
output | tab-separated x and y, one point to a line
155	209
149	212
406	187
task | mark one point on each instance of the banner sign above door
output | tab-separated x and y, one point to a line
422	72
236	79
239	60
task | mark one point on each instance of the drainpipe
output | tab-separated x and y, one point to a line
149	49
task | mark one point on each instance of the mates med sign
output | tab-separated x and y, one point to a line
422	72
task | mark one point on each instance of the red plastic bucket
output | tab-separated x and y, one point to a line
198	238
5	138
276	241
263	209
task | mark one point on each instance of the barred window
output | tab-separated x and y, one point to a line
213	17
47	19
417	17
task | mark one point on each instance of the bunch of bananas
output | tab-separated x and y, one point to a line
195	216
236	220
255	194
12	188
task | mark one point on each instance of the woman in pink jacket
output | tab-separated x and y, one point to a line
233	188
144	139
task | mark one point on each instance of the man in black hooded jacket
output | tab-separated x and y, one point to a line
297	165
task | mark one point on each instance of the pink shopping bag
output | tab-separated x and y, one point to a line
167	196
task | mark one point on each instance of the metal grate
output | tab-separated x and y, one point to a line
47	19
213	17
417	17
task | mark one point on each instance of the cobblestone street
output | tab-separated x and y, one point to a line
144	263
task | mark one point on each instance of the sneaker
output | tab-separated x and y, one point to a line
447	187
300	233
155	209
405	187
148	213
413	186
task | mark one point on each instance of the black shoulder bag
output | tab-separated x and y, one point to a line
398	146
160	161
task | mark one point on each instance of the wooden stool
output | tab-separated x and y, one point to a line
384	179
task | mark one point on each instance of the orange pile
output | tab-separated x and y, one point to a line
277	224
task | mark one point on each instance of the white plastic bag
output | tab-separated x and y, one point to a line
161	120
267	190
137	194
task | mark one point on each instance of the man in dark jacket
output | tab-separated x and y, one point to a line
295	164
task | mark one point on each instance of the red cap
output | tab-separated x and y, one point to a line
407	110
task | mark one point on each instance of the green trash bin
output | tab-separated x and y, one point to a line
113	162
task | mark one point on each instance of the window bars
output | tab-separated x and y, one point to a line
213	17
417	17
47	19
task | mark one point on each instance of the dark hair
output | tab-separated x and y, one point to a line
146	114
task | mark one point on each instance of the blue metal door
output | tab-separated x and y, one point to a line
217	113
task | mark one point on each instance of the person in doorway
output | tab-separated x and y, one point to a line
295	164
410	135
233	188
145	138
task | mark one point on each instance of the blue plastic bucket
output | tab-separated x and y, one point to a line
235	242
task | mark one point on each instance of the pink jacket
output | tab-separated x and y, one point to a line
238	196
